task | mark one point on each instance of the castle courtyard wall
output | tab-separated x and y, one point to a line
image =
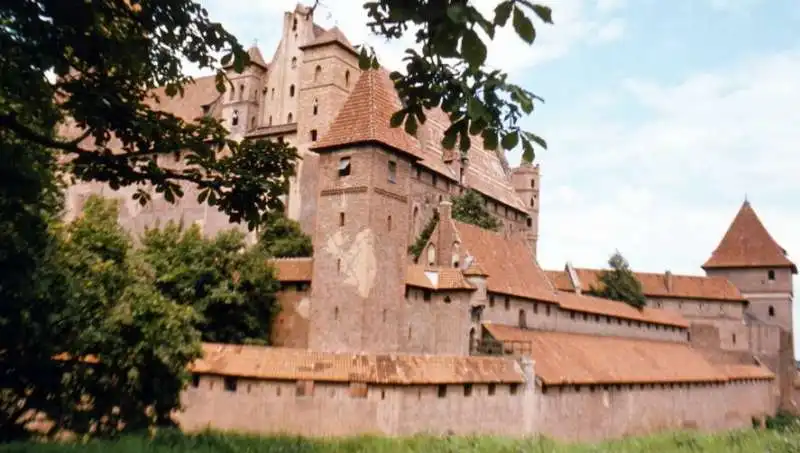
588	414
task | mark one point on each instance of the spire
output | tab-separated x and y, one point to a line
747	243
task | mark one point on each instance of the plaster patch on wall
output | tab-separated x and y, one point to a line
358	262
303	308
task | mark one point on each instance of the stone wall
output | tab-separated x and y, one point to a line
290	327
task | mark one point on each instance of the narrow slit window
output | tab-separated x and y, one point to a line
341	219
230	384
392	171
344	167
313	135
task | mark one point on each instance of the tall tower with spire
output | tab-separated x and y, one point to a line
752	260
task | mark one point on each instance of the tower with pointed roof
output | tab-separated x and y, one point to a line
526	182
240	104
752	260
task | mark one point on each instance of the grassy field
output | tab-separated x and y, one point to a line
772	441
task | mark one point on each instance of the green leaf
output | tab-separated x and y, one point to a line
539	140
527	151
201	197
489	139
523	26
502	13
475	108
466	142
411	125
473	49
226	60
510	140
171	90
363	59
397	118
544	12
450	136
456	13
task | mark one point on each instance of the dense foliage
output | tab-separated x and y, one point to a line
745	441
620	283
227	283
282	237
415	249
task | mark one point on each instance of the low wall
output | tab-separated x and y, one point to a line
568	413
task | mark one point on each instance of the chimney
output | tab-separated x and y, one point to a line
573	277
668	280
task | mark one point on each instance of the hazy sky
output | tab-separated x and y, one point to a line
660	115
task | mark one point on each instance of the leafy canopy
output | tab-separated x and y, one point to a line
470	207
450	70
620	283
227	284
282	237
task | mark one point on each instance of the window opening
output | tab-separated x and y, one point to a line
344	166
392	171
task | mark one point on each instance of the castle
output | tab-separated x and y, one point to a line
475	337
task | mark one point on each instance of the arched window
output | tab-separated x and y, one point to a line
389	223
315	107
291	91
456	253
530	222
235	118
771	311
294	62
233	93
289	118
532	201
447	299
533	183
317	73
472	345
347	78
523	321
253	123
241	92
313	135
431	255
335	313
771	275
415	220
294	24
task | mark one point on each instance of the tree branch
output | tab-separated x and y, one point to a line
10	121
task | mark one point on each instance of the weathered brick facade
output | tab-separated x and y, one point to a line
364	191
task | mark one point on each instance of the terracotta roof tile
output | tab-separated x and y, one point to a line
564	358
475	269
738	372
601	306
437	278
293	269
655	285
365	116
266	131
747	243
509	262
300	364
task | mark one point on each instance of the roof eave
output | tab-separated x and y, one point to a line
355	143
312	45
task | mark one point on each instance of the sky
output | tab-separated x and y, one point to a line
660	116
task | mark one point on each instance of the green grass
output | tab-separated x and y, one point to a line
773	441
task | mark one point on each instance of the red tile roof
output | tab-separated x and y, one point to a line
747	243
292	269
509	262
739	372
332	36
601	306
655	285
565	358
365	116
437	278
261	362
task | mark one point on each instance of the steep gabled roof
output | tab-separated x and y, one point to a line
437	278
747	243
364	117
332	36
509	262
256	57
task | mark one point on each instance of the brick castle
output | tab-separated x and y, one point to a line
474	338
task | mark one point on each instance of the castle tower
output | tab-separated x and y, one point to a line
240	104
525	180
752	260
327	75
360	240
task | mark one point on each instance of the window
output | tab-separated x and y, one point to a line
771	311
491	301
508	303
419	172
235	118
347	78
442	391
341	219
335	313
304	388
315	107
492	389
195	380
733	337
535	308
426	296
531	201
291	91
447	299
523	322
530	222
289	118
533	183
512	389
431	255
294	62
392	171
389	223
472	344
230	384
317	73
467	389
434	179
241	92
547	310
270	120
383	315
339	265
771	275
344	167
273	93
233	93
313	135
253	123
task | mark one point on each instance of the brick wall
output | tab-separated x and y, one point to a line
290	328
439	325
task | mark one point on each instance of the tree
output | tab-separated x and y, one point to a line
415	249
227	284
470	207
94	64
282	237
620	283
